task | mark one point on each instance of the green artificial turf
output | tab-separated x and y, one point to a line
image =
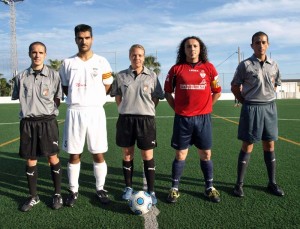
258	209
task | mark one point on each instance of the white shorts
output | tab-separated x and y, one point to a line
81	123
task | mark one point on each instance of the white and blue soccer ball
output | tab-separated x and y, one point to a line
140	202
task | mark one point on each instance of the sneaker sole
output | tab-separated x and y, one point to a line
124	198
238	195
69	205
172	201
275	193
58	206
212	200
27	210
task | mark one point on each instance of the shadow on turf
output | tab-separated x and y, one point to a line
14	183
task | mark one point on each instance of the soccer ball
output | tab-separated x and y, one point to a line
140	202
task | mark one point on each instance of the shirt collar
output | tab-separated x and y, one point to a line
268	59
145	71
44	72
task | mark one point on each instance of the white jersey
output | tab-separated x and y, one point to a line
85	80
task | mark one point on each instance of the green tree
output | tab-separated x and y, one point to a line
152	64
4	86
55	64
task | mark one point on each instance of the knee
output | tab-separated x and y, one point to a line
53	160
98	158
205	155
74	158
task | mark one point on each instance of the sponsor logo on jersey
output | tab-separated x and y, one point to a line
200	86
80	85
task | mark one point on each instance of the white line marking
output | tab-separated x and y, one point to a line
161	117
150	218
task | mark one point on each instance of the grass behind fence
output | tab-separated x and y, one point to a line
258	209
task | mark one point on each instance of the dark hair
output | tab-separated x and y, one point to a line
181	57
83	28
258	34
37	43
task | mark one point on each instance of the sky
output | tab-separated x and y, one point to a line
158	25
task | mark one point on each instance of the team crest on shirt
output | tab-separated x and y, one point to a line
202	74
94	72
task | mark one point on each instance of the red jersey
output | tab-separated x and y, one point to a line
193	87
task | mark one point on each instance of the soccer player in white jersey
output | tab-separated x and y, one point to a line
86	79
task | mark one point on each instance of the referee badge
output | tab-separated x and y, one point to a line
45	92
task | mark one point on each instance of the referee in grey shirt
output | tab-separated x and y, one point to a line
137	92
39	91
254	85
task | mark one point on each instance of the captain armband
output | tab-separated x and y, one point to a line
107	78
215	87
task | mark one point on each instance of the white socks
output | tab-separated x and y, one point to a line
100	172
73	174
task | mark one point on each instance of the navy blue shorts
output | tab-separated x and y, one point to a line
136	128
195	130
258	122
38	137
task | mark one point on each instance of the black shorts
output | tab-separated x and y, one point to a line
38	137
139	128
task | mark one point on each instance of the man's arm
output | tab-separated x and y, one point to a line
118	99
155	100
215	97
107	88
236	90
57	101
170	100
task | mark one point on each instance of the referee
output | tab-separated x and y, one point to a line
137	92
39	91
259	76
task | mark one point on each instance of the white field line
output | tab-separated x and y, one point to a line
161	117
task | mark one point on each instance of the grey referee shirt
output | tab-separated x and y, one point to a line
36	93
258	79
137	91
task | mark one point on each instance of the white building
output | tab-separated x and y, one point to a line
289	89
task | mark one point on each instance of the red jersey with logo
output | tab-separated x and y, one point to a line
193	86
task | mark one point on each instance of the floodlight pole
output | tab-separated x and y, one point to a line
13	37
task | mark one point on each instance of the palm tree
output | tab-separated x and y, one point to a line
152	64
55	64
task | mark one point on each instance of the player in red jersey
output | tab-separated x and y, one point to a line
194	82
